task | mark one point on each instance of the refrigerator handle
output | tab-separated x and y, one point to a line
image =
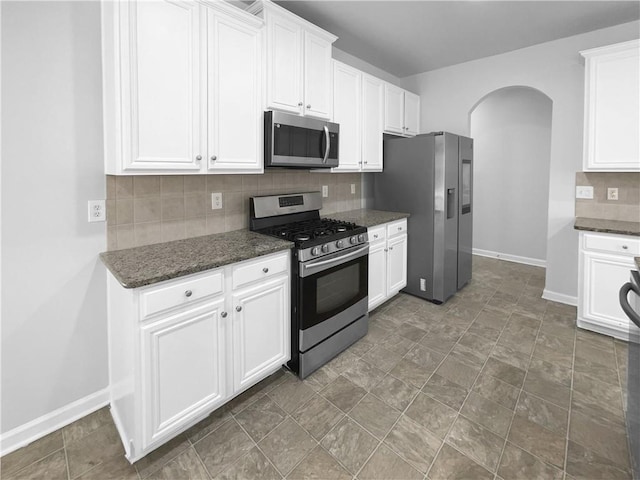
451	202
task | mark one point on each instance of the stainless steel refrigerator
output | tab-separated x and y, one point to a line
431	177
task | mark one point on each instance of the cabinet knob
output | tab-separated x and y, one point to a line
238	308
375	236
299	104
199	157
390	248
365	162
223	314
399	228
265	270
214	158
309	106
386	249
625	247
188	293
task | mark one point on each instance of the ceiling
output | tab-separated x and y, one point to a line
409	37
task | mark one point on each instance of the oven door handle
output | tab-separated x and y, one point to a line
306	267
328	144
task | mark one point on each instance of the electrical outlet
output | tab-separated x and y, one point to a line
353	189
612	194
423	284
97	211
325	191
216	201
584	192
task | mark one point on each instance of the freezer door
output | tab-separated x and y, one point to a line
465	210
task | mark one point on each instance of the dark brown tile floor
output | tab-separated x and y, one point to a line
496	384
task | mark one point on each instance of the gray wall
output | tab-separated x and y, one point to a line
511	129
54	319
448	95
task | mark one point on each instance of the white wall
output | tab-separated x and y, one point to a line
556	69
511	129
54	343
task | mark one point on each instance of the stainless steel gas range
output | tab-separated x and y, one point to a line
329	276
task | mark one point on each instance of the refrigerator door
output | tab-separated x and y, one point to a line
445	243
406	185
465	210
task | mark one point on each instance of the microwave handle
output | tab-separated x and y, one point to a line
328	144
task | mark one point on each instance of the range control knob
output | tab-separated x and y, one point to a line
361	237
354	240
340	243
325	248
315	250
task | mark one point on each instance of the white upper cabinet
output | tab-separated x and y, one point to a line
298	62
347	112
372	123
358	108
177	76
234	133
612	113
401	111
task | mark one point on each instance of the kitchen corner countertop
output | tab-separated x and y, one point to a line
140	266
607	226
367	218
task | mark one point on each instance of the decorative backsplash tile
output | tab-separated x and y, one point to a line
157	208
626	208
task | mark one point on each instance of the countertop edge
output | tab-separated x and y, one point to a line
367	217
607	226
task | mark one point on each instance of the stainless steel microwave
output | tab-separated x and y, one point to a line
299	142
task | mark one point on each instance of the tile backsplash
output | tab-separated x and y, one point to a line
626	208
157	208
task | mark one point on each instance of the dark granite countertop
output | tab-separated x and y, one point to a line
368	218
140	266
607	226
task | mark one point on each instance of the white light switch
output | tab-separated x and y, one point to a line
325	191
584	192
353	189
612	194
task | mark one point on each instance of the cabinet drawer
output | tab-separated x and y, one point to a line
263	267
612	243
377	234
397	228
180	292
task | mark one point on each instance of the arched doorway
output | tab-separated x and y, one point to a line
511	128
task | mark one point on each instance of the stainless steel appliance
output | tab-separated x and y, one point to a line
329	276
431	177
632	309
299	142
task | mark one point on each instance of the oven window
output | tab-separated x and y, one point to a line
337	288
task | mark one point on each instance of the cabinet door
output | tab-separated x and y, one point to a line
603	275
396	264
377	274
411	113
612	136
161	93
234	114
261	317
346	112
317	76
372	123
393	109
183	365
284	65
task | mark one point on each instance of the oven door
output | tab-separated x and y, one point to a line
332	285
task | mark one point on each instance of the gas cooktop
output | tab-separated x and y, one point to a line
315	231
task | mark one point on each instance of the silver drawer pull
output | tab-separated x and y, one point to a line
238	308
199	157
188	293
399	228
265	270
624	247
223	314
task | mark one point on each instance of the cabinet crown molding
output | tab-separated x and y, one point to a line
233	11
264	7
611	49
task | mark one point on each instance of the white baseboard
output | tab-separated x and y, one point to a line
38	428
560	298
536	262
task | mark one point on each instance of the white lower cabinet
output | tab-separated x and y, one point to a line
387	261
605	263
182	348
